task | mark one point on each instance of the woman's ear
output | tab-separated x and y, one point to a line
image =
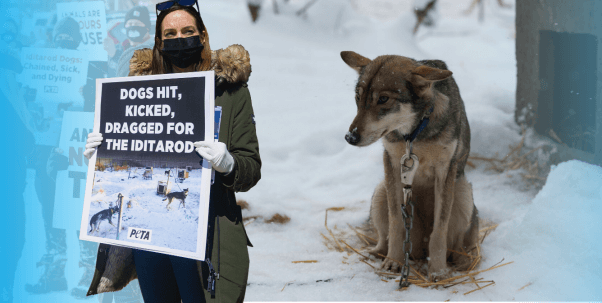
204	36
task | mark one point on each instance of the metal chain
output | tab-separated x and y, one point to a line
407	177
408	222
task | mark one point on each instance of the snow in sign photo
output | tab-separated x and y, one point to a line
149	189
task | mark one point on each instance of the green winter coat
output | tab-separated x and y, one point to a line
227	240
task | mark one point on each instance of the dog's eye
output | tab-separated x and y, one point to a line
382	100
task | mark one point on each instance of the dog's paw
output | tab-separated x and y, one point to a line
439	275
390	265
378	251
462	263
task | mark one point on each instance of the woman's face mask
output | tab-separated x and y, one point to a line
183	52
136	33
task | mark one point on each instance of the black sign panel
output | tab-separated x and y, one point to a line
153	119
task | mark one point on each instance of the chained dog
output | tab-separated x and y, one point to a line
102	215
415	106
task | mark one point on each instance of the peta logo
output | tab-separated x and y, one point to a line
139	234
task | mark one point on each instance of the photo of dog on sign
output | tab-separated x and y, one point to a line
147	202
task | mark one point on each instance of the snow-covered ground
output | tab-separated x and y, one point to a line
144	208
303	97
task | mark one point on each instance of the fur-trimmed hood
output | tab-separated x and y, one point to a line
231	65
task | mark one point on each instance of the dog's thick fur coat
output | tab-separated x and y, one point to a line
393	94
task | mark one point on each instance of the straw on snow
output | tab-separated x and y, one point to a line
514	160
330	231
467	278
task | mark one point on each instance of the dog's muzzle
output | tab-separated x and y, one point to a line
352	137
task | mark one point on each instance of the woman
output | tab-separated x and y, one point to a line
182	45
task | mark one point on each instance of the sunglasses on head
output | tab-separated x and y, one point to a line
168	4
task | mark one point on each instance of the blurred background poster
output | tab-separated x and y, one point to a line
92	21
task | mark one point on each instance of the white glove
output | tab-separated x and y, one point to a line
94	140
217	154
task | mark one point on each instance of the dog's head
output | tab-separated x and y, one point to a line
114	209
185	191
392	94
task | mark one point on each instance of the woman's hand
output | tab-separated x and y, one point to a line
94	140
216	153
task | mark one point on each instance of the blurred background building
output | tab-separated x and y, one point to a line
558	89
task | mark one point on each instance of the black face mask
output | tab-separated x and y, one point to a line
68	44
183	52
136	33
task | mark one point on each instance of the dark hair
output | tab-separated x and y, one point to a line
162	65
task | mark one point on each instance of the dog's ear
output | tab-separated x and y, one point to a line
431	73
355	60
423	77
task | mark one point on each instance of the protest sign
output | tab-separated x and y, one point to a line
56	78
149	188
70	183
92	20
57	75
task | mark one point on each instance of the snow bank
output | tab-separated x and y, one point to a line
556	244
